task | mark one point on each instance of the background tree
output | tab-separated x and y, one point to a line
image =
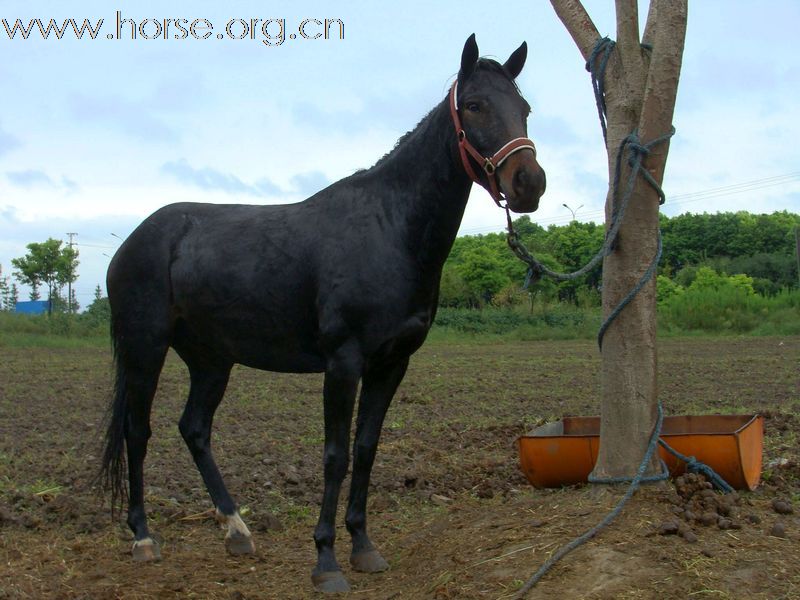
98	313
641	82
5	291
49	264
759	245
13	298
9	293
72	304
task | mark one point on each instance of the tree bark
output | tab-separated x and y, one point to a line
641	87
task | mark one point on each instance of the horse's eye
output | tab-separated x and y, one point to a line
473	107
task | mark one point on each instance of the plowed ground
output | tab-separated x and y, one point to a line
448	507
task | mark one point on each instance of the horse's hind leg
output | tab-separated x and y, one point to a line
207	388
141	367
377	389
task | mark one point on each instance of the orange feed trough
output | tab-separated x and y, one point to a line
564	452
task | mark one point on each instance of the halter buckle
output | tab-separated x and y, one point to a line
488	166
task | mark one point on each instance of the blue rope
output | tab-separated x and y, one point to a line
636	153
602	50
695	466
615	512
692	466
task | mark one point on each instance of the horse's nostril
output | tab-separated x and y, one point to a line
521	180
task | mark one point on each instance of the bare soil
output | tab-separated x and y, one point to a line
448	506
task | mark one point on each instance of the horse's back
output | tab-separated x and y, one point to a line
233	277
187	241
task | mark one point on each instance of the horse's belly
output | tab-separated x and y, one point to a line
298	362
256	343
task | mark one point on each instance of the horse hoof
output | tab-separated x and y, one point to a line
238	544
146	550
368	561
330	582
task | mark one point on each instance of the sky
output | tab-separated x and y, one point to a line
96	134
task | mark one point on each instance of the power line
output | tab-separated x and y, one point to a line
93	246
677	199
739	188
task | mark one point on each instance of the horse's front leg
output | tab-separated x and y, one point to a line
341	383
377	390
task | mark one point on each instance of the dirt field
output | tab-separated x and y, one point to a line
448	507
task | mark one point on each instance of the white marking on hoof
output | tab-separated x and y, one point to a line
221	519
233	523
238	539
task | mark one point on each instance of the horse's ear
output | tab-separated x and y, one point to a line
469	58
516	61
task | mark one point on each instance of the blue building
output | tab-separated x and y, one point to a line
31	307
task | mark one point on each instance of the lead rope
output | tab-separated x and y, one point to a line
566	549
637	151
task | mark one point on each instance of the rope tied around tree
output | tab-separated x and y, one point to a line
636	153
597	69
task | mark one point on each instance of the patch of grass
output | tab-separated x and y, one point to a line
296	513
38	487
287	510
54	331
312	440
46	340
560	321
397	423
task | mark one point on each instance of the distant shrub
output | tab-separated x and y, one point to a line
717	303
57	329
559	321
667	289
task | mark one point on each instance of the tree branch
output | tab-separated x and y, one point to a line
578	23
668	34
652	17
628	26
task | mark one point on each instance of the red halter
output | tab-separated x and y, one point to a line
490	164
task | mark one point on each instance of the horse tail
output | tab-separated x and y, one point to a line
112	470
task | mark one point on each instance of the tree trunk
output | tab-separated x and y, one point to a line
640	89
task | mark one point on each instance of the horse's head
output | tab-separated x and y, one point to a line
490	117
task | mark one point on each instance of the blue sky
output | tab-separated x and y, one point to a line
97	134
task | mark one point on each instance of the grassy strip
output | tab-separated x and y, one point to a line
697	312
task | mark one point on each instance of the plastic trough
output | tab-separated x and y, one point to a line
564	452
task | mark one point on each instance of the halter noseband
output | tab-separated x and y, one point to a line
490	164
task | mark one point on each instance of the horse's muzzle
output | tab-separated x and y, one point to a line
523	182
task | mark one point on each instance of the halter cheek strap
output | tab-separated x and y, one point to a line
489	164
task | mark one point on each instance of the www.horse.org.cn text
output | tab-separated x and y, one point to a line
270	31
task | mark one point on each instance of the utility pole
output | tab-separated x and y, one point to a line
797	250
69	283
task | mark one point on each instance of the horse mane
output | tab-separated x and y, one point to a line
484	64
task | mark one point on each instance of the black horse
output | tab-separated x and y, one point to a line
345	283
